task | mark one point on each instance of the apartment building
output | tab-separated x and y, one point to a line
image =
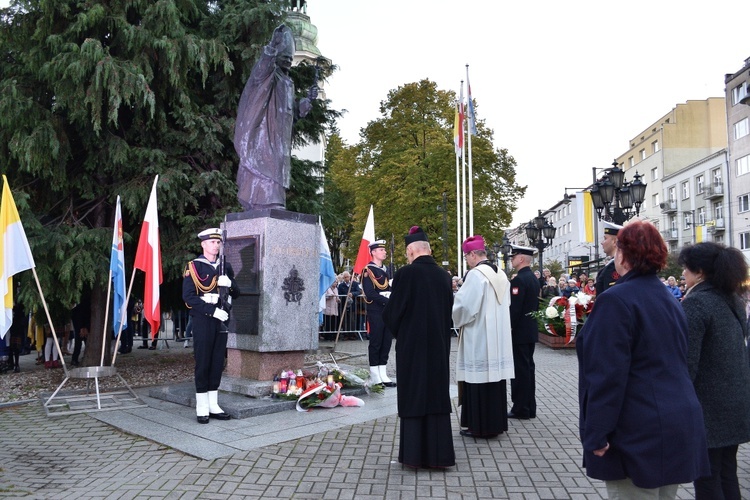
738	146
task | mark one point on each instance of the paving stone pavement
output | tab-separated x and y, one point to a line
341	453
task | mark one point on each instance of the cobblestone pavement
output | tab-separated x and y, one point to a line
79	456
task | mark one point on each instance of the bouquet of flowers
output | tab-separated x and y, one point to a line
347	379
326	396
563	316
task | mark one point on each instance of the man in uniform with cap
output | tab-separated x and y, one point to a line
607	276
481	309
418	315
524	299
377	290
202	284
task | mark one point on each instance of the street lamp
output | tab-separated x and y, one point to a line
537	231
614	198
505	249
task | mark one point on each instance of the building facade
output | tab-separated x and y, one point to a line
738	145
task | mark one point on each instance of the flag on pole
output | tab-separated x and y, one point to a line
327	274
585	215
458	129
15	254
472	118
117	268
148	260
363	256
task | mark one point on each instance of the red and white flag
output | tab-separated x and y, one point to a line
148	260
363	256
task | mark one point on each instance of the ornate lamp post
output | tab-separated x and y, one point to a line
614	198
537	231
505	249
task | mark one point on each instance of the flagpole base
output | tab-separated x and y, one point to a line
83	401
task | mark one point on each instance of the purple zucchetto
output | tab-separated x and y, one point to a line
472	243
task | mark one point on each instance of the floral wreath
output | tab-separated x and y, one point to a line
567	313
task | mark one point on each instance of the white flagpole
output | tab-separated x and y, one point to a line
458	217
471	171
463	183
106	318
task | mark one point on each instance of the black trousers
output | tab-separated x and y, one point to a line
723	483
380	339
78	340
523	386
209	347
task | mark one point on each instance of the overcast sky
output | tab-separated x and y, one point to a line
564	85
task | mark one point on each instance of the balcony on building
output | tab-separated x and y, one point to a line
713	192
668	207
670	235
716	226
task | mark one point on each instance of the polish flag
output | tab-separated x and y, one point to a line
363	256
148	260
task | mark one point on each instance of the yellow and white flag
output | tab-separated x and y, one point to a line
586	217
15	254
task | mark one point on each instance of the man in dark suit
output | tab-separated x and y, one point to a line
607	276
524	299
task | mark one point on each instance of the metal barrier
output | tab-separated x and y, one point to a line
352	317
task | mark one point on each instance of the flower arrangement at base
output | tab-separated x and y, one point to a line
563	316
326	396
349	380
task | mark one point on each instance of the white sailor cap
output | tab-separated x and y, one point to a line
213	233
610	228
377	244
519	250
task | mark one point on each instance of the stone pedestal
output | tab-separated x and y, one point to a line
275	257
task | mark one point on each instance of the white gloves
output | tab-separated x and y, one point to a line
387	295
221	315
210	298
224	281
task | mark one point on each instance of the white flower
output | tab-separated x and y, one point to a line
572	300
584	299
552	313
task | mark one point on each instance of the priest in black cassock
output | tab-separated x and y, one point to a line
418	315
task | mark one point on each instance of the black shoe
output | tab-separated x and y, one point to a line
467	433
389	384
142	347
203	419
16	369
152	348
519	417
220	416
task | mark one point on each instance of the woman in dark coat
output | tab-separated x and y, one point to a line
641	423
717	359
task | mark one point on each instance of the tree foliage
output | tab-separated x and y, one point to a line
404	163
98	97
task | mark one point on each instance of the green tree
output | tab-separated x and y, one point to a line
96	98
405	161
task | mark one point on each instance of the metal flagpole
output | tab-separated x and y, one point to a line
458	217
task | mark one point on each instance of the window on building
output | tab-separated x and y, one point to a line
655	147
745	241
687	220
718	210
673	222
743	165
699	184
701	219
716	176
655	200
643	154
741	128
672	193
743	203
719	238
654	173
739	92
685	190
631	161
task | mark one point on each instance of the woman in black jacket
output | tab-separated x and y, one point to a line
718	358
